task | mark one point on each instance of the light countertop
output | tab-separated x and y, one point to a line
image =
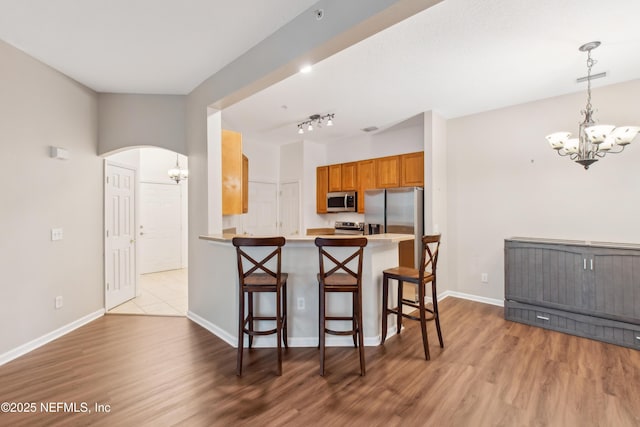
373	238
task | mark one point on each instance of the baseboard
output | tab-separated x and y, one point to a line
47	338
270	340
215	330
484	300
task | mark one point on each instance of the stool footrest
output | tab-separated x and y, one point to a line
409	316
332	332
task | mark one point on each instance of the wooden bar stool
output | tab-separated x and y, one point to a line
341	278
258	277
421	277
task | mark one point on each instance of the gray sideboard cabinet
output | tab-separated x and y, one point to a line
589	289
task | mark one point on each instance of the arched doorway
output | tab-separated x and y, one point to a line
159	238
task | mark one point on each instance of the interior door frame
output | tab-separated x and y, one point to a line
136	225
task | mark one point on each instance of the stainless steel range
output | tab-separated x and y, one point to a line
345	227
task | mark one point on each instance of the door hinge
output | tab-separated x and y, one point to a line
107	180
107	285
107	233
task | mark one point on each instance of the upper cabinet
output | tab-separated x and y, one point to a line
412	169
388	172
404	170
335	178
349	176
245	184
322	188
366	172
235	174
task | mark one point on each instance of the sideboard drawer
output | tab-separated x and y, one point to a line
611	331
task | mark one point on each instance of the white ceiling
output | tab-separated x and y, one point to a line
456	58
141	46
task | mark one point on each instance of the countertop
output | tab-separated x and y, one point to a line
373	238
575	242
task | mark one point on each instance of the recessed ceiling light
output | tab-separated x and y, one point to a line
305	69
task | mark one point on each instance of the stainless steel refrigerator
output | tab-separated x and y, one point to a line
397	210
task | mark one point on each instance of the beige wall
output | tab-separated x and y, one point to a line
136	120
39	108
504	181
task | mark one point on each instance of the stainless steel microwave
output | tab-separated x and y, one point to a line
342	201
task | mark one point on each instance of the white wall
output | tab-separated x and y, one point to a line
40	108
504	181
405	137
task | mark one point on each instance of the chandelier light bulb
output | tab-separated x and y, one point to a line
300	130
310	128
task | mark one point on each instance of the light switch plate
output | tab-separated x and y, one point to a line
56	234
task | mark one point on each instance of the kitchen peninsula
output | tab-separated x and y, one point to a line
300	260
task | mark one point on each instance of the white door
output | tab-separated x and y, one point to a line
261	220
120	244
289	209
160	232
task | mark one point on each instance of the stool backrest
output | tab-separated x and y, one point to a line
259	266
341	265
430	249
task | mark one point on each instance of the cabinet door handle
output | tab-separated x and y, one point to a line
638	338
584	263
543	318
591	261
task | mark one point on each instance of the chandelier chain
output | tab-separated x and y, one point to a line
590	63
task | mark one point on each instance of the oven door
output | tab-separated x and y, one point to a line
344	201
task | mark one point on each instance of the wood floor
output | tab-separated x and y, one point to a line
162	371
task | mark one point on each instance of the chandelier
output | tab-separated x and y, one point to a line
177	173
594	141
316	120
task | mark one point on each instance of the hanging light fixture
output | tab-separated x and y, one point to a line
594	141
316	120
177	173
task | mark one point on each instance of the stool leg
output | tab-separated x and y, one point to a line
250	301
360	333
279	327
399	319
435	311
284	314
240	332
423	321
354	323
320	325
385	305
321	329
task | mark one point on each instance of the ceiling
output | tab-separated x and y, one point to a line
457	58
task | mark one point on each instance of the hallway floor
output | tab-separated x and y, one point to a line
163	293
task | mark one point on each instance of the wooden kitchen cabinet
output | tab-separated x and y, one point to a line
322	188
412	169
235	174
387	172
335	177
245	184
366	171
349	172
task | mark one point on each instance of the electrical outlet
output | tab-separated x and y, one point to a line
301	303
484	278
59	302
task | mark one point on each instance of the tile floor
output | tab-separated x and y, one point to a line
163	293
